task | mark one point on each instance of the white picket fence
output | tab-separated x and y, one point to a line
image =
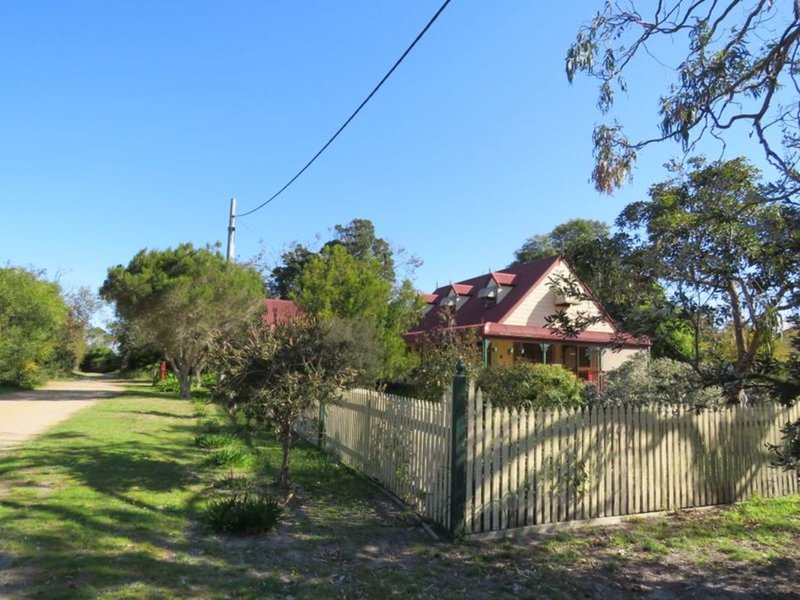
403	443
541	467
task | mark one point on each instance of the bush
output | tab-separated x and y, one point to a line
243	513
212	441
168	384
100	360
526	385
641	381
171	384
230	455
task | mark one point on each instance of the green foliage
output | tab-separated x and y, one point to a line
211	441
620	278
354	277
358	339
644	381
179	300
569	239
733	60
786	455
728	256
437	353
243	513
33	315
231	455
169	384
337	284
100	359
273	374
526	385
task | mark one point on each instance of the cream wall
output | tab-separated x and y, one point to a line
540	303
612	360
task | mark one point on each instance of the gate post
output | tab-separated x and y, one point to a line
458	454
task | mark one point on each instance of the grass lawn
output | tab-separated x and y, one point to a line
108	505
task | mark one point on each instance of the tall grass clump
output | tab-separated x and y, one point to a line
245	513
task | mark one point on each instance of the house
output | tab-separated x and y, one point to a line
508	310
277	312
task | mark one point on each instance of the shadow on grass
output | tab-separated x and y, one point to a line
110	505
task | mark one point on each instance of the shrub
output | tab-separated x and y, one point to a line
100	360
168	384
438	353
641	381
526	385
243	513
172	385
230	456
212	441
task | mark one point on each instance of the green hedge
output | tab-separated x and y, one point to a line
526	385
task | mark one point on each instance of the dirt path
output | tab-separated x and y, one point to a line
24	415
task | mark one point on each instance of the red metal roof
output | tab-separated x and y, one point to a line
475	311
428	298
463	289
280	311
503	278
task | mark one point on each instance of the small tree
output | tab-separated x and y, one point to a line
274	373
437	352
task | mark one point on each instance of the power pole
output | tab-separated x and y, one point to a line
232	232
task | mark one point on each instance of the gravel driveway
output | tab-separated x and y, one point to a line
24	415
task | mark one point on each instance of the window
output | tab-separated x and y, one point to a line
533	353
584	357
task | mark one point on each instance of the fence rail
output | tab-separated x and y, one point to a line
541	467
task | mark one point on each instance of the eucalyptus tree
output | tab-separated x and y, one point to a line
737	67
721	248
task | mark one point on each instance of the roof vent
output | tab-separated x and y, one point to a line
565	300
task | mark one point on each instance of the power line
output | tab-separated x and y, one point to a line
352	116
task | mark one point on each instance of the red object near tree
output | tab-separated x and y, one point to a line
163	370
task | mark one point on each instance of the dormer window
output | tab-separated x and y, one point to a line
449	301
489	294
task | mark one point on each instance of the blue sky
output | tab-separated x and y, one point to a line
130	125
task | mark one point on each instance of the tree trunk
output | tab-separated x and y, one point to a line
184	374
742	351
283	474
744	362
